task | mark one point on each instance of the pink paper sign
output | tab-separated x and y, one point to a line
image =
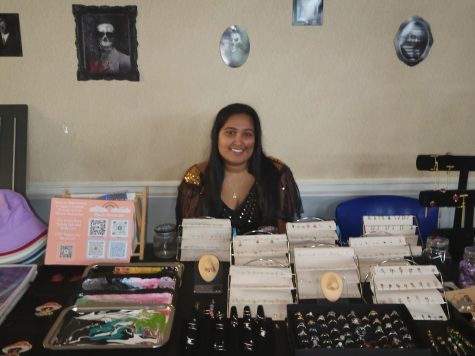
86	231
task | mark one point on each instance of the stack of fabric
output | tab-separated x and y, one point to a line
22	234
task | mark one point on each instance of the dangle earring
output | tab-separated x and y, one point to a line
436	187
448	209
463	196
436	170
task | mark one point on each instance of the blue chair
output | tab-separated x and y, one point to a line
349	214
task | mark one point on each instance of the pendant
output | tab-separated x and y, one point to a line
234	195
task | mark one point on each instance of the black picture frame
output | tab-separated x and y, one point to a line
106	42
10	40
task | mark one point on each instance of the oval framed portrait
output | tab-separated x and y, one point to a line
413	41
234	46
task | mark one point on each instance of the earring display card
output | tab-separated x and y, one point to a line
118	328
405	225
260	250
311	233
252	286
312	263
200	236
415	286
371	251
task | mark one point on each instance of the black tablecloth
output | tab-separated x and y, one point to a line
22	324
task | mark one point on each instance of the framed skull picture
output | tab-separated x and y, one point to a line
413	41
106	42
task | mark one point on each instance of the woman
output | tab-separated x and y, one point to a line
239	181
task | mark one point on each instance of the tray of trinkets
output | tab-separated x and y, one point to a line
124	327
361	329
135	283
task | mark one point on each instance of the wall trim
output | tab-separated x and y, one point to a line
308	187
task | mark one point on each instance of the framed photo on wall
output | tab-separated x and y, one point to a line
10	39
106	42
307	13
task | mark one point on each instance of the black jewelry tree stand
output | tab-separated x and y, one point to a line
463	200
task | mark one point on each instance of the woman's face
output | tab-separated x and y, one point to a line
236	139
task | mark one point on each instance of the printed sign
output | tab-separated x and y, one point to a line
86	231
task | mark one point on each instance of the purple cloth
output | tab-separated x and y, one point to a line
19	226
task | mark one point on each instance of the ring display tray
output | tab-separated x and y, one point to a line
232	336
122	327
348	319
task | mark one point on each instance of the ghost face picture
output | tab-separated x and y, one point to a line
234	46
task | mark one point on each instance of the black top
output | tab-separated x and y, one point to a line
245	217
191	202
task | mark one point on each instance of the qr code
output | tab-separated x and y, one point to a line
96	249
119	228
66	251
118	250
97	227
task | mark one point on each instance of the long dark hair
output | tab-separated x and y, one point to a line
260	166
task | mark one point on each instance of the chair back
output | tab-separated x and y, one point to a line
13	136
349	214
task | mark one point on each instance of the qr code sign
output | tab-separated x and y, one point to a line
66	251
97	227
118	250
119	228
96	249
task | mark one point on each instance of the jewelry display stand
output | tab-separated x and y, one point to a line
199	237
462	233
371	251
260	274
415	286
312	263
260	250
405	225
311	232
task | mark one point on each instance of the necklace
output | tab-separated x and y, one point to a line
234	195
